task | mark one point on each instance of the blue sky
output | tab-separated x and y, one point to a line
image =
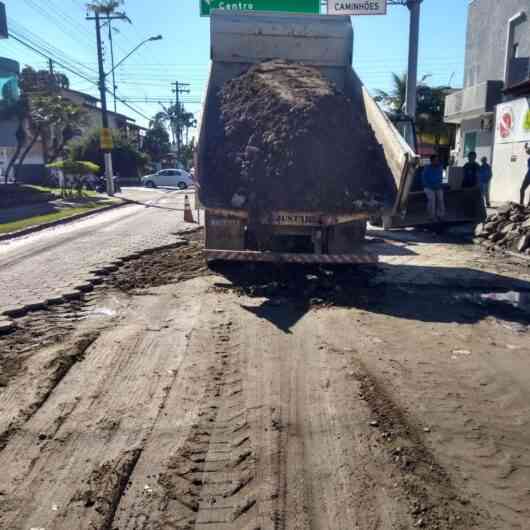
381	45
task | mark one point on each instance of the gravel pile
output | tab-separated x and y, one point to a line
289	139
508	228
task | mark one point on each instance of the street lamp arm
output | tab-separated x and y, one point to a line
158	37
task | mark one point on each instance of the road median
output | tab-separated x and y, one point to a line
28	225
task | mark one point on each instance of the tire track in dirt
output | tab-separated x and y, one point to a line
54	370
113	399
475	404
205	478
430	493
331	467
108	483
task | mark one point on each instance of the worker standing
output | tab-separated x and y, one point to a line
432	179
471	171
485	174
526	180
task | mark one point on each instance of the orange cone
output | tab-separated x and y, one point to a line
188	214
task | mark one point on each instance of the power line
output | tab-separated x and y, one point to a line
38	42
58	19
72	71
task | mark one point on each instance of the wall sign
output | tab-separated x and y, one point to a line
357	7
513	121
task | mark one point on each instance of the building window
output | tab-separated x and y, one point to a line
517	26
470	143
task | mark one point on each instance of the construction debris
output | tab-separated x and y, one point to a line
508	228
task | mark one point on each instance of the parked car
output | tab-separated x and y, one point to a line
177	178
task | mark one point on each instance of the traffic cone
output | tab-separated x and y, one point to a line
188	214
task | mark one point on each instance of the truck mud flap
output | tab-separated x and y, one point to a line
277	257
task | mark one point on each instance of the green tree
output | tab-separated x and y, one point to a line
188	122
396	99
429	109
127	160
177	120
156	142
41	114
54	120
188	154
42	81
106	7
430	112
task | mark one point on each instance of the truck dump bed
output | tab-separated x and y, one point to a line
240	41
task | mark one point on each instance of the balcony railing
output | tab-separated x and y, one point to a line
472	102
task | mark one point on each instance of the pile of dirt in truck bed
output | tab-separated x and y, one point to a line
289	139
508	228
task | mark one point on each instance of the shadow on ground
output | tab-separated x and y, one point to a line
284	294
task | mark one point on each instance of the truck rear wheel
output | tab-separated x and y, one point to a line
345	238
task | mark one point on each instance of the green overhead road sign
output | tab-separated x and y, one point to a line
288	6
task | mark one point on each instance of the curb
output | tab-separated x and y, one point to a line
65	220
96	277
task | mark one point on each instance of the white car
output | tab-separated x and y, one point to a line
174	178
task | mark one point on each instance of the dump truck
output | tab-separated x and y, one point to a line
310	232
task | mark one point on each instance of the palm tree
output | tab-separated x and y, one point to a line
397	97
159	119
188	122
430	106
177	120
106	7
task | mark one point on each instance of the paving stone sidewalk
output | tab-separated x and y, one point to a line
58	262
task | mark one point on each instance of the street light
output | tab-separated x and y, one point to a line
150	39
106	137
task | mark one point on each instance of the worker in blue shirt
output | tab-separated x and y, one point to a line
526	181
484	176
432	177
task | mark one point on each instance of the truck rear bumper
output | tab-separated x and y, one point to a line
277	257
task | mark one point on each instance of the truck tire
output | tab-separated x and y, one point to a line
359	230
346	238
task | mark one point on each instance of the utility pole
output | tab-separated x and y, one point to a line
51	70
412	74
180	88
111	42
106	135
109	173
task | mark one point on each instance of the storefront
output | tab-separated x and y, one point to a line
510	161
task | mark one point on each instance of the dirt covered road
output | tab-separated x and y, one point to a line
176	397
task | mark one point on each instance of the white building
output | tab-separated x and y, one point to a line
492	108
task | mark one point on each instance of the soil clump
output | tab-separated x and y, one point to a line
289	139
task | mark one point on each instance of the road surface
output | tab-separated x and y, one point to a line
174	397
51	262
